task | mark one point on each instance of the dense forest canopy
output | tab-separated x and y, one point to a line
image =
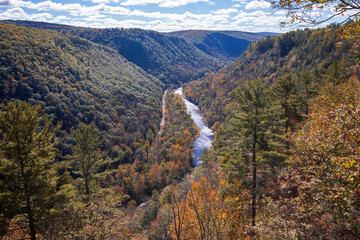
75	80
226	46
280	112
167	56
171	59
83	155
313	54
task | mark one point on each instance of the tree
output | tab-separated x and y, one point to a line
100	218
149	135
151	211
252	102
325	164
147	149
304	11
28	181
309	90
210	210
337	72
176	198
245	136
86	157
252	141
315	12
285	90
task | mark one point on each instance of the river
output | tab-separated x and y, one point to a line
205	139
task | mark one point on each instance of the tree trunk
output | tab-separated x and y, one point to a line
287	122
30	216
87	185
25	180
253	203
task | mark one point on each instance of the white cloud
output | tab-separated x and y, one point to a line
140	2
257	5
61	18
74	9
19	13
243	14
225	11
280	12
161	3
11	3
105	1
100	10
178	3
258	21
13	13
103	14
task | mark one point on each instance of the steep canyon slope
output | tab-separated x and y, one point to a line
76	80
314	53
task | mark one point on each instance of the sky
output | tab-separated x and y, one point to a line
159	15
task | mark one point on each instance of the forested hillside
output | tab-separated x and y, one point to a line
310	56
170	59
224	45
284	161
82	123
75	80
83	156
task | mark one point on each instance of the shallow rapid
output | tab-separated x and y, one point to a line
205	139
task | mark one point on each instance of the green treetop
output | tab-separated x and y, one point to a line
86	157
28	180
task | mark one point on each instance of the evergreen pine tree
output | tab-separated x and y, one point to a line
28	180
251	138
86	158
252	118
285	92
88	162
308	86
